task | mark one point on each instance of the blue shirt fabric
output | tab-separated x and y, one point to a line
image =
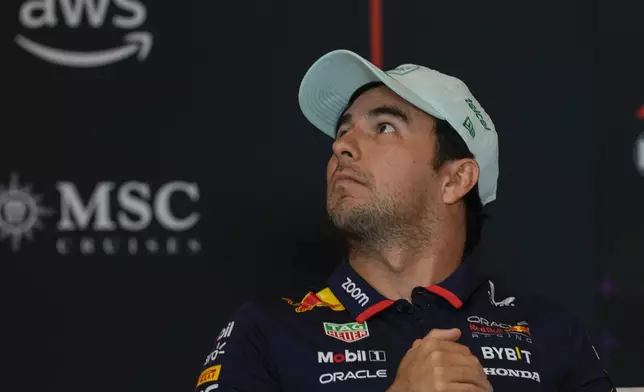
348	337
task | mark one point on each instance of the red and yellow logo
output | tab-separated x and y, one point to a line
209	375
519	328
311	300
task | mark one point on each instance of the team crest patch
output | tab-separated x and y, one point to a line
349	332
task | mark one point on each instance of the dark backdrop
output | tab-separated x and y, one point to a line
102	287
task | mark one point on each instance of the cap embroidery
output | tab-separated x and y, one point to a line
478	113
403	69
469	126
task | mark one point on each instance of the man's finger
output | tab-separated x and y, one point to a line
429	345
416	343
460	386
449	359
451	335
466	375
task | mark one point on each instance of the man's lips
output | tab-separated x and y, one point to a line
344	176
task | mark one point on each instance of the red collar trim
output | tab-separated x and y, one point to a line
448	295
385	303
374	309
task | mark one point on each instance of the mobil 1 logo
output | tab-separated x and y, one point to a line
352	356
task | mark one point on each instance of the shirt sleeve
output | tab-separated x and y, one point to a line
240	360
587	371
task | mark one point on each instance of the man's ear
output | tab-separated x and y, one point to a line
459	177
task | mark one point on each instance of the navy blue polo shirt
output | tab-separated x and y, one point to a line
348	337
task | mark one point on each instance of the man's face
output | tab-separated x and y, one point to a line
380	178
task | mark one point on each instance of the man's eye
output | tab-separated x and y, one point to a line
385	128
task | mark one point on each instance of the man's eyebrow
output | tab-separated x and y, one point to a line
390	110
377	111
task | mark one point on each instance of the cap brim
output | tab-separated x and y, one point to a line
329	83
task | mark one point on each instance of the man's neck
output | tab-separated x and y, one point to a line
396	269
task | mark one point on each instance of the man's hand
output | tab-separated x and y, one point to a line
438	363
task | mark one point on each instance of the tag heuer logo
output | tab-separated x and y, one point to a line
350	332
469	126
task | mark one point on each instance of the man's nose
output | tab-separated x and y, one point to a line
347	147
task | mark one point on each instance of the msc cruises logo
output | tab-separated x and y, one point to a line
133	217
20	212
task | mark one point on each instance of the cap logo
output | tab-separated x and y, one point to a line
477	113
403	69
469	126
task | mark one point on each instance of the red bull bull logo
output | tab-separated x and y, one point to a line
520	329
311	300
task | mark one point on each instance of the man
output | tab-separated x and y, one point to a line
414	159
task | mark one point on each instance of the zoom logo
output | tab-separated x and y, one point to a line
355	292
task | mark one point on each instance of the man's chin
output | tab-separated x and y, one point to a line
344	206
349	216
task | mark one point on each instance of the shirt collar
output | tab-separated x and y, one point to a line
363	301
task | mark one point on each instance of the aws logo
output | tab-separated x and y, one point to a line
45	15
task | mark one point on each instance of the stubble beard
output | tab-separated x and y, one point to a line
384	221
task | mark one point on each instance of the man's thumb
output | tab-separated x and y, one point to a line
445	334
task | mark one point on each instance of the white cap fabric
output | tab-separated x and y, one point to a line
329	83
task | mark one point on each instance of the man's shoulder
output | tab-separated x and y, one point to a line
536	307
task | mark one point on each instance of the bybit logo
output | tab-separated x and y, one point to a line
128	15
506	353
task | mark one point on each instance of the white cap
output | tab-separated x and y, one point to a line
329	83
